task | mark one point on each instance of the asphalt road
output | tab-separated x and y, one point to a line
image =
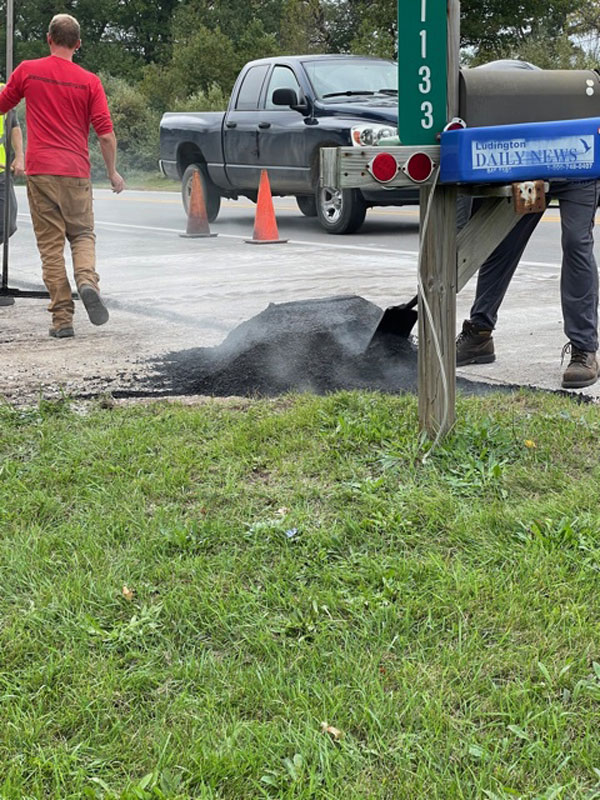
138	237
385	229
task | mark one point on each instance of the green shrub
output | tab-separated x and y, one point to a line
213	99
136	128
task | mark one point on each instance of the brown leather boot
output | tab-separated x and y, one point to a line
474	345
582	370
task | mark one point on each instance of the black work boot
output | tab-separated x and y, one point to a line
474	345
582	370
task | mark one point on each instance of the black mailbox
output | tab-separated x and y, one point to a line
510	96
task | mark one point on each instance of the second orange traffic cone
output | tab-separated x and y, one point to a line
265	224
197	223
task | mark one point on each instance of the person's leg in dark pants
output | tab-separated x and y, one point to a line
496	273
579	274
579	280
475	344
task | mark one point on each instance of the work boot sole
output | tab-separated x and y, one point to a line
96	310
476	360
579	384
61	333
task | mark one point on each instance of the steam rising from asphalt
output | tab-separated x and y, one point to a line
318	345
313	345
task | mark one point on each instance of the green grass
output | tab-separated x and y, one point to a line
294	562
149	181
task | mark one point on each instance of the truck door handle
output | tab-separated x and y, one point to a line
264	125
231	124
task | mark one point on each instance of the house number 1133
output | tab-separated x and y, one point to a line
422	69
425	74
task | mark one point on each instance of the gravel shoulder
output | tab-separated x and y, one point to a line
97	361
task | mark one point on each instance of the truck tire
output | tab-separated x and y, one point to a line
340	210
307	204
212	198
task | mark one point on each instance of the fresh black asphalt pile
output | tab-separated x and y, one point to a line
318	346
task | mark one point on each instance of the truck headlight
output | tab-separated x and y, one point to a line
370	135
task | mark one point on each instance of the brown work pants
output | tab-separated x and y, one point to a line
62	208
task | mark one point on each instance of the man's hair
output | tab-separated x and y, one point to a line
64	31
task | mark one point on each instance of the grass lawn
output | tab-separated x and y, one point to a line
150	181
191	596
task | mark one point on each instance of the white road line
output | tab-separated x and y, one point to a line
156	228
351	247
320	245
326	245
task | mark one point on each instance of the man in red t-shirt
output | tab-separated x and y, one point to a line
62	100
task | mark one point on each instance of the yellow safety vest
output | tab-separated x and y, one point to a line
2	148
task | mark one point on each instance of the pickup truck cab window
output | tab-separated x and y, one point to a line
346	78
282	78
249	93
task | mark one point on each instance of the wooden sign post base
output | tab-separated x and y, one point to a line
437	311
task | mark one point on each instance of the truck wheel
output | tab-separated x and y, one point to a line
212	198
307	205
340	210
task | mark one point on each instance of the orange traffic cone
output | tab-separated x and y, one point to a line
265	225
197	223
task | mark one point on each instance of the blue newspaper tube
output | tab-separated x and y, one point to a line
565	150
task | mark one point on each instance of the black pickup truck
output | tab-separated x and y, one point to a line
281	112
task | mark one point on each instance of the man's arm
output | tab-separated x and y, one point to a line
16	140
102	123
108	147
12	93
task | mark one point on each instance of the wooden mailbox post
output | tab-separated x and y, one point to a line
428	46
428	64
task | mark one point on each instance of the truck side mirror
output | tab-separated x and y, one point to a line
285	97
288	97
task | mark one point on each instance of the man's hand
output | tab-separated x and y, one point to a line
108	148
18	166
117	182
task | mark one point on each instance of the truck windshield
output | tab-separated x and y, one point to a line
348	77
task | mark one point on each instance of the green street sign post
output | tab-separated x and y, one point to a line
428	56
422	70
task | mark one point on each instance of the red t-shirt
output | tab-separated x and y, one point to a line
61	101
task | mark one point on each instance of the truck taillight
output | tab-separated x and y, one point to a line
455	124
384	167
419	167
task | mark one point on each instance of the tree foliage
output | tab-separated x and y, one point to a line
192	44
505	28
585	25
